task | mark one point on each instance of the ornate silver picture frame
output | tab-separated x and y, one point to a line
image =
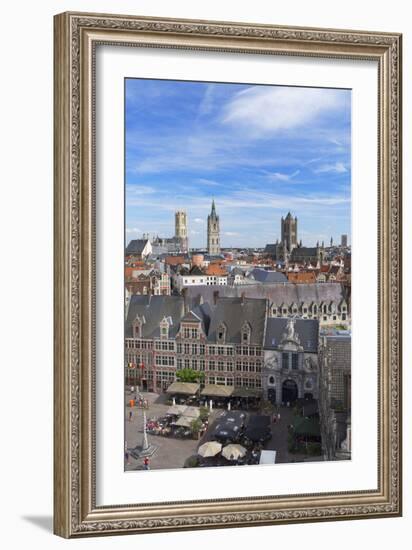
76	37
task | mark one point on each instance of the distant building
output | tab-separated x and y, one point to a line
302	277
304	254
213	232
326	302
344	241
289	232
266	276
139	248
181	229
146	282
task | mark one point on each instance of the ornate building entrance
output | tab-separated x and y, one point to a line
289	391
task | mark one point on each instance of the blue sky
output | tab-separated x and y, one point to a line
259	151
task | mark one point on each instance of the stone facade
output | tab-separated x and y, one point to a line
290	361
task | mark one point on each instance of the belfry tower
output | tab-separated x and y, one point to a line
181	229
289	231
213	232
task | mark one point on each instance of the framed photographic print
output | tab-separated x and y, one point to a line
227	274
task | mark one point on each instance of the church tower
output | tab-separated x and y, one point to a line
213	232
289	230
181	229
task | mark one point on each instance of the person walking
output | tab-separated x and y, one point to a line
146	463
278	417
130	416
127	457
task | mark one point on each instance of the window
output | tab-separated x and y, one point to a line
187	348
285	360
295	361
194	349
238	365
187	364
220	350
229	366
246	331
186	333
221	380
212	350
179	347
202	364
220	366
211	365
202	349
343	316
194	333
194	364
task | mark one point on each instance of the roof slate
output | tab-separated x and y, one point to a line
234	312
306	329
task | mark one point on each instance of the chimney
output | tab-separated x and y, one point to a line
185	300
215	296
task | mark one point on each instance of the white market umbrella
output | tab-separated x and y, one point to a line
233	451
211	448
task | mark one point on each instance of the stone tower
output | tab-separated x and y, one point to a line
213	232
181	229
289	230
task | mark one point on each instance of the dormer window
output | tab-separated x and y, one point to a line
164	328
245	333
137	327
221	333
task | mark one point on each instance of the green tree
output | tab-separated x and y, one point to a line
190	375
196	426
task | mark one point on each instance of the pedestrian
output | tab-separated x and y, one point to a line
127	457
274	419
130	416
132	389
278	417
146	463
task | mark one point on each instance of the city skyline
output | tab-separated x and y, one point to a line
215	141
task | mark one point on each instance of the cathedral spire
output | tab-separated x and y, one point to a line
213	212
213	232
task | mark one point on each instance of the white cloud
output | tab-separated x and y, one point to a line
269	109
278	176
205	181
139	189
199	220
206	104
231	234
338	168
133	230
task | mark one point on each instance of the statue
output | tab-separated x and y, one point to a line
290	329
272	363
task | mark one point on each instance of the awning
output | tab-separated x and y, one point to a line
192	412
176	410
215	390
185	421
247	392
184	388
